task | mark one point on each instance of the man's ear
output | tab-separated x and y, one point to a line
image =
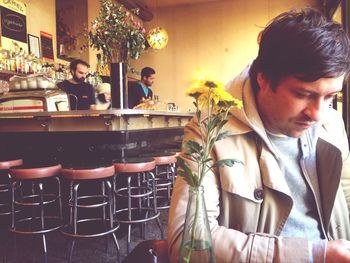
263	83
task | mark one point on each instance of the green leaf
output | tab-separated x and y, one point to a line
192	147
198	115
214	122
222	135
222	124
226	162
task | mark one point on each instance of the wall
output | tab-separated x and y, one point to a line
41	17
75	17
214	40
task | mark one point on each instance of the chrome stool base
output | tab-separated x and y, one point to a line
91	226
139	191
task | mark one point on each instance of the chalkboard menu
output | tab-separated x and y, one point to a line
46	45
13	25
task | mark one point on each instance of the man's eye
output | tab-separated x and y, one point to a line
302	95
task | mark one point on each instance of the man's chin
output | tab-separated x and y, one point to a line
296	133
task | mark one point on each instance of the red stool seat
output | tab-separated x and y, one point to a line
7	164
81	173
34	172
134	165
165	159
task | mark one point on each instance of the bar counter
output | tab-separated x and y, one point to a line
89	135
92	120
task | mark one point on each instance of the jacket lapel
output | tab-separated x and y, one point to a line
329	166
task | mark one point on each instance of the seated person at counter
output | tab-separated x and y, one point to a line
81	94
140	90
103	101
288	201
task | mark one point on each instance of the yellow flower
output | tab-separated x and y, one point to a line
219	98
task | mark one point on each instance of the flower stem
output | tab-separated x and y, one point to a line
193	230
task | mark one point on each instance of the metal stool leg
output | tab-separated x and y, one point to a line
75	218
129	214
41	193
111	220
70	250
155	204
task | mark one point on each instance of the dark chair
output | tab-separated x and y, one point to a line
149	251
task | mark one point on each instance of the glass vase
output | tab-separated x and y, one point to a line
196	245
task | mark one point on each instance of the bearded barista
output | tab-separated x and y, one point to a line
81	94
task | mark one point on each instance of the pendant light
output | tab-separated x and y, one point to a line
157	37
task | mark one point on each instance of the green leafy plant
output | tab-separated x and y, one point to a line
213	106
116	30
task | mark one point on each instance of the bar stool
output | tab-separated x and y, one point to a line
5	196
164	176
89	226
5	184
36	176
140	188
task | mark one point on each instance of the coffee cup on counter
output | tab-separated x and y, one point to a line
42	83
24	84
17	85
31	83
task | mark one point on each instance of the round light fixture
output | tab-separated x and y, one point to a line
157	38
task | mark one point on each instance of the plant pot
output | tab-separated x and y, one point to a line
119	90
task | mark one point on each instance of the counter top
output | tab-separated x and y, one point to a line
91	113
92	120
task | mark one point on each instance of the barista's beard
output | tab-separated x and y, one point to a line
79	80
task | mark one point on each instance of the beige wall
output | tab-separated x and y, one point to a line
213	40
41	17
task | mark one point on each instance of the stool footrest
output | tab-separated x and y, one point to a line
34	200
136	192
90	227
91	201
32	226
138	215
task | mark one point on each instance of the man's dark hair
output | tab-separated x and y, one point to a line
73	65
147	71
303	44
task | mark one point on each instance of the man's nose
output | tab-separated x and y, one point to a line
315	109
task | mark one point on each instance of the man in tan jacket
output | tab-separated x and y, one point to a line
289	200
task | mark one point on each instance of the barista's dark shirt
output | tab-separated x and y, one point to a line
136	93
81	95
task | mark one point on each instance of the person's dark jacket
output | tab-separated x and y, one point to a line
136	93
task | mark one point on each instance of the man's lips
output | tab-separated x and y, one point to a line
304	124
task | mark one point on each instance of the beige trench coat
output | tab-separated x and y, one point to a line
248	204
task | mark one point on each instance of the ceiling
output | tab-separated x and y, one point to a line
158	3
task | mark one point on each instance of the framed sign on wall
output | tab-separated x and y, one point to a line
33	45
46	45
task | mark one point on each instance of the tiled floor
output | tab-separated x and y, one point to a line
28	249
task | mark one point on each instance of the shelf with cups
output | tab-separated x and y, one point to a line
6	74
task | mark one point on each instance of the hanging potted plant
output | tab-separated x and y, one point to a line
120	37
